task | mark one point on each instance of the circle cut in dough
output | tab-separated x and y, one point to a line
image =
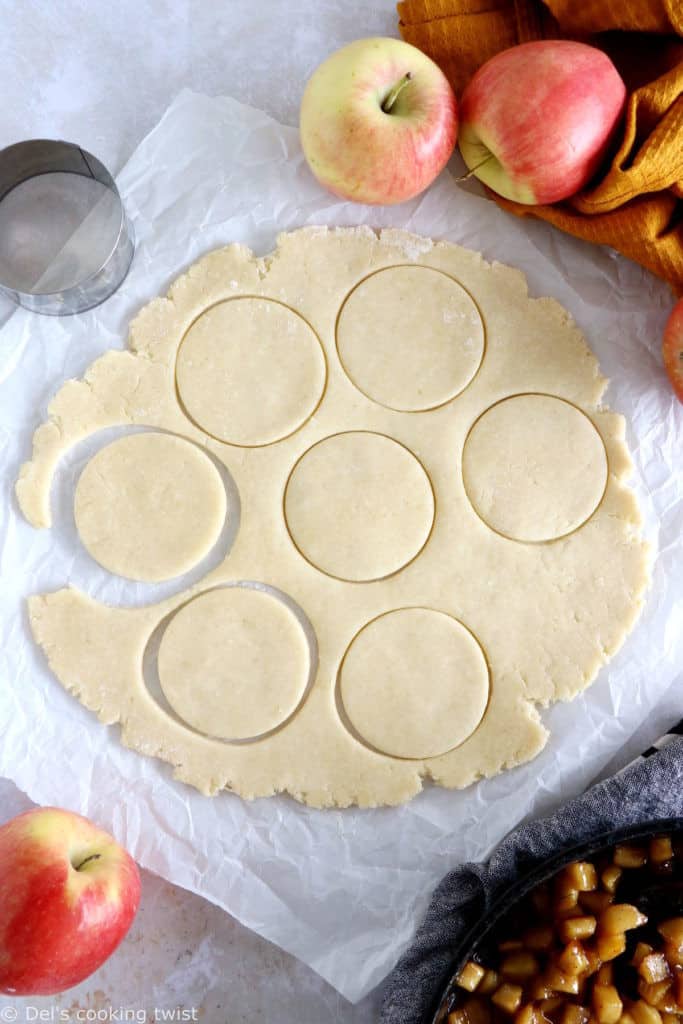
250	371
414	683
359	506
234	663
410	338
534	467
149	506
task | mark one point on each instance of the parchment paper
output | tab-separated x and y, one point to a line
342	890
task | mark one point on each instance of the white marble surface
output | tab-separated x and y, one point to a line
102	74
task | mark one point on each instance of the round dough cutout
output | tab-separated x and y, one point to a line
250	371
534	467
149	506
234	663
410	338
414	683
359	506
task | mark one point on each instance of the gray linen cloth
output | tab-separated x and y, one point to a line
650	788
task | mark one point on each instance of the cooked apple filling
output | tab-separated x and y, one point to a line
594	945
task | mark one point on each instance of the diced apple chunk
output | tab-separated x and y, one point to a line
574	1014
672	930
527	1014
610	877
620	917
659	994
488	983
596	902
640	952
558	981
470	976
654	967
605	975
508	997
519	966
607	1006
609	947
661	850
573	959
579	875
627	856
643	1013
577	928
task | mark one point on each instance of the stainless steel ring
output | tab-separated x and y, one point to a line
103	265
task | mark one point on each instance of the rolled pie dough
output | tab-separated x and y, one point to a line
435	541
149	506
234	663
342	511
233	362
377	331
534	467
380	670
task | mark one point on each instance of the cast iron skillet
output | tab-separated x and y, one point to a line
660	899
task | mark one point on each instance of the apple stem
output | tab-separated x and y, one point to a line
473	170
394	93
93	856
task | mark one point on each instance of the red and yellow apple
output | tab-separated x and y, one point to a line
68	894
672	349
378	121
536	120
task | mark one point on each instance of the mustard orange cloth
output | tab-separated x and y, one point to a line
636	202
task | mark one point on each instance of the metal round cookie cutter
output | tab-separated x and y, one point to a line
66	243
